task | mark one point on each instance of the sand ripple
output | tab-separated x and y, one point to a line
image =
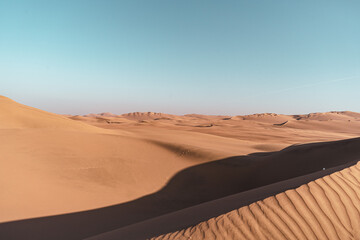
327	208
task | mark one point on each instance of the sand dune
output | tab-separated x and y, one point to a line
54	164
146	116
324	125
327	208
78	171
266	118
17	116
223	178
105	114
329	116
88	167
197	185
187	217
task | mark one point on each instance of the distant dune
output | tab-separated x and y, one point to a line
328	116
147	116
74	177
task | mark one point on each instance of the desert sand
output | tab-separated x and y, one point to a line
76	177
327	208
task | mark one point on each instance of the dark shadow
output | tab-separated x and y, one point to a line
190	187
191	216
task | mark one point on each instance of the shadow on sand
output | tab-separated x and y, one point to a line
190	187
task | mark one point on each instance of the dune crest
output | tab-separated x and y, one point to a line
14	115
327	208
149	164
104	114
329	116
146	115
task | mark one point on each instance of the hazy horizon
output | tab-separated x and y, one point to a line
189	113
181	57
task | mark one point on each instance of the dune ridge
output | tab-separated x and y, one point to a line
191	216
146	116
327	208
14	115
192	186
106	171
265	126
262	117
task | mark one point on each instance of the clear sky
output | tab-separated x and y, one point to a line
181	56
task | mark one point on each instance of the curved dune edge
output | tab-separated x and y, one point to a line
327	208
194	215
14	115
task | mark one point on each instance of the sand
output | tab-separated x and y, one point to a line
145	165
327	208
18	116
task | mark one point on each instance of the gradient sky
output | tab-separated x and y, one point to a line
181	56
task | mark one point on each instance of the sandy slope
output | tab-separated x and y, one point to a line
218	187
52	164
17	116
228	178
327	208
266	128
50	172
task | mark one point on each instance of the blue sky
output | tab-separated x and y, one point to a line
181	56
